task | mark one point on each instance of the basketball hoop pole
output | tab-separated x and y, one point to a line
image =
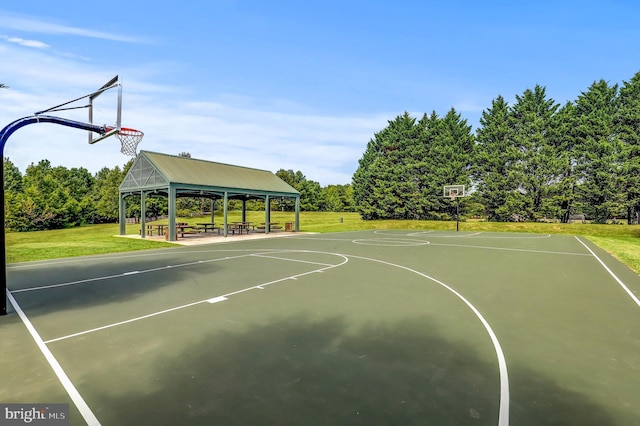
457	214
455	192
4	135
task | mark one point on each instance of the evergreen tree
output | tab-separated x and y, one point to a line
311	196
534	135
363	179
406	165
628	130
561	200
495	159
598	152
385	184
422	166
451	154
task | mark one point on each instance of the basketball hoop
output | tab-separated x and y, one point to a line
129	139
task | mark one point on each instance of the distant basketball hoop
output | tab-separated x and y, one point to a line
454	193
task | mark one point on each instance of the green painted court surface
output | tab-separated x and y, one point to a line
361	328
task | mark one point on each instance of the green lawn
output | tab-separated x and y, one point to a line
622	241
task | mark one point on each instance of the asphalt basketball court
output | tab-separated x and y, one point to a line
368	327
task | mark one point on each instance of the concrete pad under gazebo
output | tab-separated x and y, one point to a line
173	176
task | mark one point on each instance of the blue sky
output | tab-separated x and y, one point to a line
291	84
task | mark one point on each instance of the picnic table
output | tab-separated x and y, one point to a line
239	226
159	229
209	226
184	228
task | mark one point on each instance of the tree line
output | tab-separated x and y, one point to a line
48	197
532	160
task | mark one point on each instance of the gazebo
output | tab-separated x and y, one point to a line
174	176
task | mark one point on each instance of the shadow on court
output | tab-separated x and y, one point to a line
294	371
105	291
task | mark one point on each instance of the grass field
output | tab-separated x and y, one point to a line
622	241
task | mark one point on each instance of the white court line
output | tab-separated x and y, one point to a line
321	239
483	235
431	243
115	324
124	274
510	249
503	416
516	237
291	260
401	234
618	280
418	233
208	300
75	396
83	259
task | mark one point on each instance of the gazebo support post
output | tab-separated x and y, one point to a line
267	214
225	219
172	214
244	210
122	213
143	214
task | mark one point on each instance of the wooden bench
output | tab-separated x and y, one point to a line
182	230
263	227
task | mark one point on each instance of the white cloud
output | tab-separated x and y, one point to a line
27	43
325	148
31	24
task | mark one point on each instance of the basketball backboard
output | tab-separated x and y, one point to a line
453	191
105	109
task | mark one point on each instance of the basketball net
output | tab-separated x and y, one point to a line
129	140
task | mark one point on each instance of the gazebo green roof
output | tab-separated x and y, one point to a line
153	170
